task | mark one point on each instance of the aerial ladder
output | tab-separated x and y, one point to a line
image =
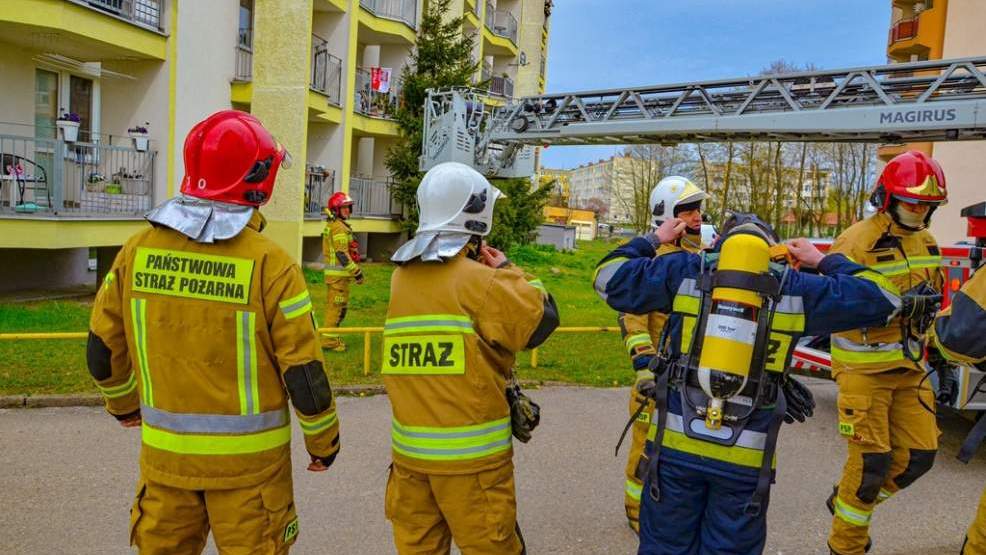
941	100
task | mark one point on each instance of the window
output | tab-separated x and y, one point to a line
45	103
80	102
245	38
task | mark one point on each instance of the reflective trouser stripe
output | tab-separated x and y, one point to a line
633	490
335	271
538	284
213	444
296	306
119	390
852	515
748	450
190	423
138	311
313	427
636	340
428	323
246	362
461	443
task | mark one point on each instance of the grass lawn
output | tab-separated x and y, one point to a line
58	366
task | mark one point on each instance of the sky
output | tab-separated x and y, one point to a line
605	44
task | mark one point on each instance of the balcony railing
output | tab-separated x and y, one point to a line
319	186
372	198
503	86
903	30
51	177
374	103
326	71
502	23
405	11
146	13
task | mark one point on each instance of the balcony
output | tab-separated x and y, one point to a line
146	13
99	180
903	30
501	23
374	103
404	11
372	198
319	186
243	70
326	71
502	86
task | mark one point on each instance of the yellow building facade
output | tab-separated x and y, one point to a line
137	74
931	30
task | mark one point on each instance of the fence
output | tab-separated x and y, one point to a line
79	179
503	86
141	12
367	333
405	11
372	197
373	103
319	185
501	23
326	71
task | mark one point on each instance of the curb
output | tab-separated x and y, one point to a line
95	400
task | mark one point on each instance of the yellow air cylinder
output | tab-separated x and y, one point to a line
731	328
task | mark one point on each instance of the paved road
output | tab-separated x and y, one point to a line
67	478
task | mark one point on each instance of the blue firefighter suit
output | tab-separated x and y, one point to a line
706	487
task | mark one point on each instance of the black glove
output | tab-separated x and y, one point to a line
525	414
645	384
800	401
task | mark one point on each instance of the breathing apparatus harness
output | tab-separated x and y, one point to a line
760	387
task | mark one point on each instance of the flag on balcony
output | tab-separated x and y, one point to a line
380	79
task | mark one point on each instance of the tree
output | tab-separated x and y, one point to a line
645	165
517	217
442	58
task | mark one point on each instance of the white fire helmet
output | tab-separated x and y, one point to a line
670	192
453	197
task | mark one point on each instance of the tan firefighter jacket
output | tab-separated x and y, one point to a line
453	329
959	330
905	259
336	240
207	341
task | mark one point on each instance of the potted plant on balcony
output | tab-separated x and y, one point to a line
68	125
96	183
139	135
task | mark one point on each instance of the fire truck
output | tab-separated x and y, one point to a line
940	100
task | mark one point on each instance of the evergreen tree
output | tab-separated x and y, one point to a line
442	58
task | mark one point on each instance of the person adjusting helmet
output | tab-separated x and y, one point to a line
678	197
957	336
892	437
722	388
341	254
672	197
200	333
459	312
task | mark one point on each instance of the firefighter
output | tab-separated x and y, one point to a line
672	197
709	470
341	254
958	336
200	331
459	312
885	413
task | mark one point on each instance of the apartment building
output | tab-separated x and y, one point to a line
99	94
930	30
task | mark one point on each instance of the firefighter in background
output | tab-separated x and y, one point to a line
886	415
341	254
708	481
459	312
958	336
200	331
672	197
